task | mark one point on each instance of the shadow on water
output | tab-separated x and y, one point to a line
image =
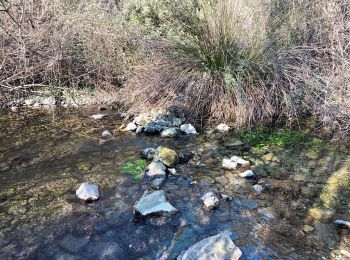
41	218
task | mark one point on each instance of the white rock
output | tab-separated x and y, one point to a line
29	102
98	116
139	130
210	200
156	169
88	192
172	171
131	127
106	133
223	128
247	174
217	247
169	132
258	188
188	129
153	202
228	164
241	162
14	109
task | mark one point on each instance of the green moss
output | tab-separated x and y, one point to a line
84	166
264	137
134	168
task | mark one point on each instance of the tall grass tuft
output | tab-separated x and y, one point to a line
251	62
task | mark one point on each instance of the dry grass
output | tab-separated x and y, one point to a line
63	44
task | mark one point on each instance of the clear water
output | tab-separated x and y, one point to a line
44	156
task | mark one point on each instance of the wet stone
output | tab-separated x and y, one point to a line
210	200
215	247
153	202
88	192
156	169
74	244
105	250
222	180
148	153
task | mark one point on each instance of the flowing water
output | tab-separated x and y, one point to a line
45	155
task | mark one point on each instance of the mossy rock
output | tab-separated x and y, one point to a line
271	158
167	156
312	154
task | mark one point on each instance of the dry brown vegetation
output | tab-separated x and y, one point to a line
243	62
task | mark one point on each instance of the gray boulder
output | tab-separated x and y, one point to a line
169	132
153	202
88	192
228	164
188	129
155	169
217	247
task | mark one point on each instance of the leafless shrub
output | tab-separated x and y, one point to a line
62	44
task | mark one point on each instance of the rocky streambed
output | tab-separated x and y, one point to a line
202	192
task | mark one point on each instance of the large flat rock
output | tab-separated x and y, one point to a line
153	202
217	247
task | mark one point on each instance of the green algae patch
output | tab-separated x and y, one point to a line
261	138
134	168
84	166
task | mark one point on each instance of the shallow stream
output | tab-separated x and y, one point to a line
45	155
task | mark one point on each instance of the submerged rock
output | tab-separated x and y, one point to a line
73	244
258	188
106	134
214	248
188	129
185	156
88	192
156	169
167	156
169	132
153	202
228	164
156	183
223	128
210	200
267	214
